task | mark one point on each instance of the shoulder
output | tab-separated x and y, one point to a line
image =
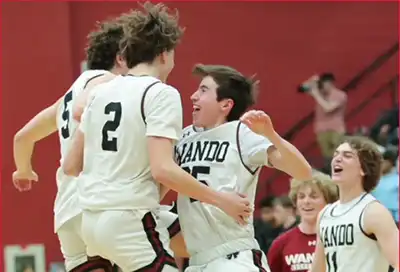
341	94
287	236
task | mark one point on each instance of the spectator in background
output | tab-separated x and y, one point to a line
385	130
285	213
329	123
266	228
293	250
387	190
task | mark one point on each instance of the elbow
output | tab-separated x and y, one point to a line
70	169
77	113
161	173
19	136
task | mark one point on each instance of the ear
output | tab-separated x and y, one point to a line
227	105
119	61
362	173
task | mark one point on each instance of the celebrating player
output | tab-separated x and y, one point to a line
125	139
293	250
226	155
102	59
356	233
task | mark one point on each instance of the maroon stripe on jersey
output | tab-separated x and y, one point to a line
162	256
174	228
98	263
257	255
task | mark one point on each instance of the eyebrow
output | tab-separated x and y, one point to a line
203	87
345	152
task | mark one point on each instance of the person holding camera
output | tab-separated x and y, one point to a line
329	123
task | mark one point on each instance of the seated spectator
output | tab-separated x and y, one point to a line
387	190
294	249
266	228
285	213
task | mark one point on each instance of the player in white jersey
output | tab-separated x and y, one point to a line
356	233
227	155
124	147
102	60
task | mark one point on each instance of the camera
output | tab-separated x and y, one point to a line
322	78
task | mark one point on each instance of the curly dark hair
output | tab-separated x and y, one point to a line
103	44
231	84
149	33
370	159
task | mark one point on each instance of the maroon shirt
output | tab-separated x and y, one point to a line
292	251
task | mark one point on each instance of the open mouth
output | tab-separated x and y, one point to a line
337	169
196	108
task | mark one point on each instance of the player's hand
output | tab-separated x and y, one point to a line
259	122
237	206
22	180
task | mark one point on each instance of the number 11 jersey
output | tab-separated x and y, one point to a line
347	247
116	123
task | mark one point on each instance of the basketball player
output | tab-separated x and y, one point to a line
293	250
102	58
227	155
356	233
125	139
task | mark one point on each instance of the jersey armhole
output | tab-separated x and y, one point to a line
361	220
143	98
320	217
248	168
90	79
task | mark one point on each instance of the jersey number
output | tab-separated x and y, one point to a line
331	262
65	115
195	171
111	125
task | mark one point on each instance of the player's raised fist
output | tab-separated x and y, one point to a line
22	180
259	122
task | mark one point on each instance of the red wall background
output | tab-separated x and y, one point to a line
283	43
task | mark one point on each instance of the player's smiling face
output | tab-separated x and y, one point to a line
345	165
309	202
207	111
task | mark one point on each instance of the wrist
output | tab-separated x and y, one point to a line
273	137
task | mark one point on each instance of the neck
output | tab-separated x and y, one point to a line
114	70
219	122
144	69
308	227
347	194
289	222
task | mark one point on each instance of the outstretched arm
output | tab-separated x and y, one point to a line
280	154
39	127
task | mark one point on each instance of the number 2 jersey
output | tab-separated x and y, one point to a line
347	247
66	203
226	158
116	123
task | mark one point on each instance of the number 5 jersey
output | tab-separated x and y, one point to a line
228	159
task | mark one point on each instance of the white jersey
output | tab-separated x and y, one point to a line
122	114
347	247
66	206
226	158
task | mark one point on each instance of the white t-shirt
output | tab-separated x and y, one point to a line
226	158
121	115
66	202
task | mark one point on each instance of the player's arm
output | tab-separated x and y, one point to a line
73	162
163	115
82	98
287	158
264	146
39	127
318	264
379	221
